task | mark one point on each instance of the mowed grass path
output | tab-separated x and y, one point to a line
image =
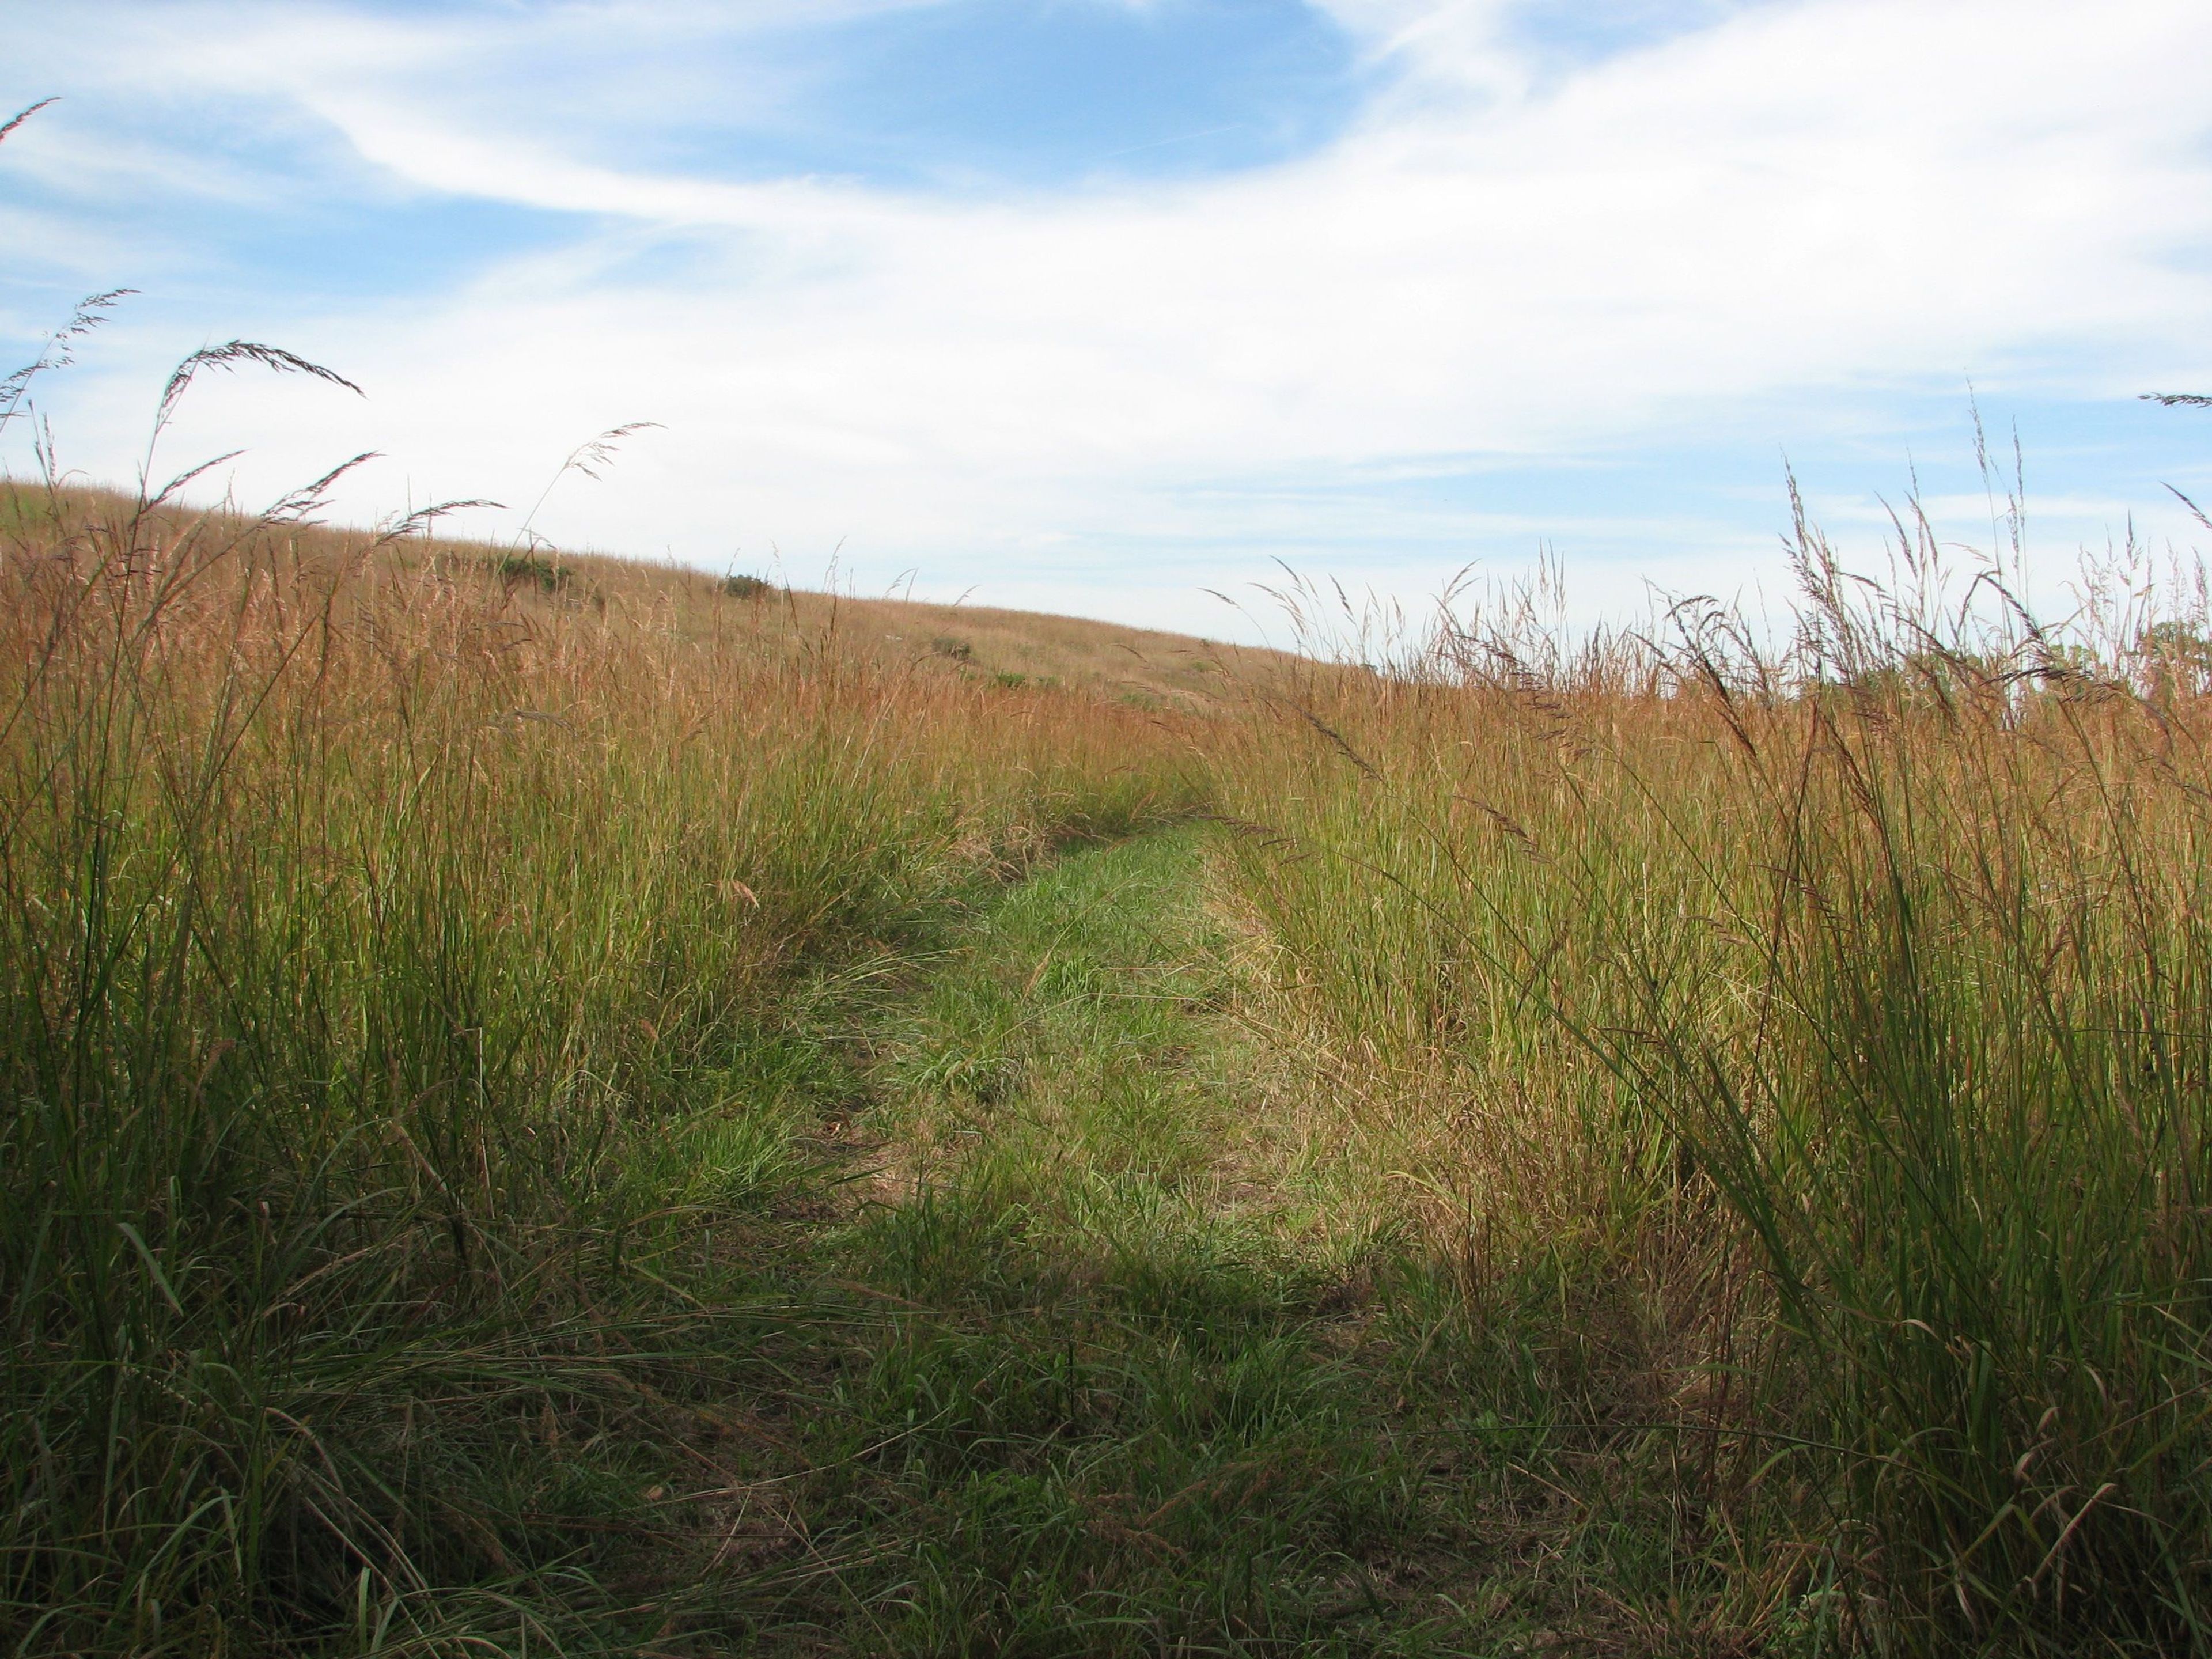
1107	1395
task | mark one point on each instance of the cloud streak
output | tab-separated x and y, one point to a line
1759	228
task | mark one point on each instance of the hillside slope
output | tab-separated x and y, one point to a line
1007	648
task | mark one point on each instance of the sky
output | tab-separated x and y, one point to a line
1113	307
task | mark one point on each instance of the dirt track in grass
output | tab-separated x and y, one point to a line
1103	1392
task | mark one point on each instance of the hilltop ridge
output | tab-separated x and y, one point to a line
1005	647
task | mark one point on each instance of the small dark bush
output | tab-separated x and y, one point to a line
530	571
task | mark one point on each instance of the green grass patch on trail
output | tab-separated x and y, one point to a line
1103	1415
1081	1404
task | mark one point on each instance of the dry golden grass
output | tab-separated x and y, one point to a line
399	945
1756	1101
1171	670
1006	649
1838	1014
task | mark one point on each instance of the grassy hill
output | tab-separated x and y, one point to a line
557	1105
1006	647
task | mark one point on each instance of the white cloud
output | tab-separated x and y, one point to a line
1729	226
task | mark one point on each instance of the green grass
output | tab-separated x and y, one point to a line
584	1116
1098	1394
1847	1008
1096	1413
404	1031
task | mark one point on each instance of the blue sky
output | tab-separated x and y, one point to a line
1094	305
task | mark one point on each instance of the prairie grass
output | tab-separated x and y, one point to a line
1845	1003
552	1105
399	1041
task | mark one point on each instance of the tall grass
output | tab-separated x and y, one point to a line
1791	1050
396	965
1852	993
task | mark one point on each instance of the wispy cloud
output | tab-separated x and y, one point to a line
1731	227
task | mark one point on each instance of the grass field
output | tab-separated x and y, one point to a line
558	1106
